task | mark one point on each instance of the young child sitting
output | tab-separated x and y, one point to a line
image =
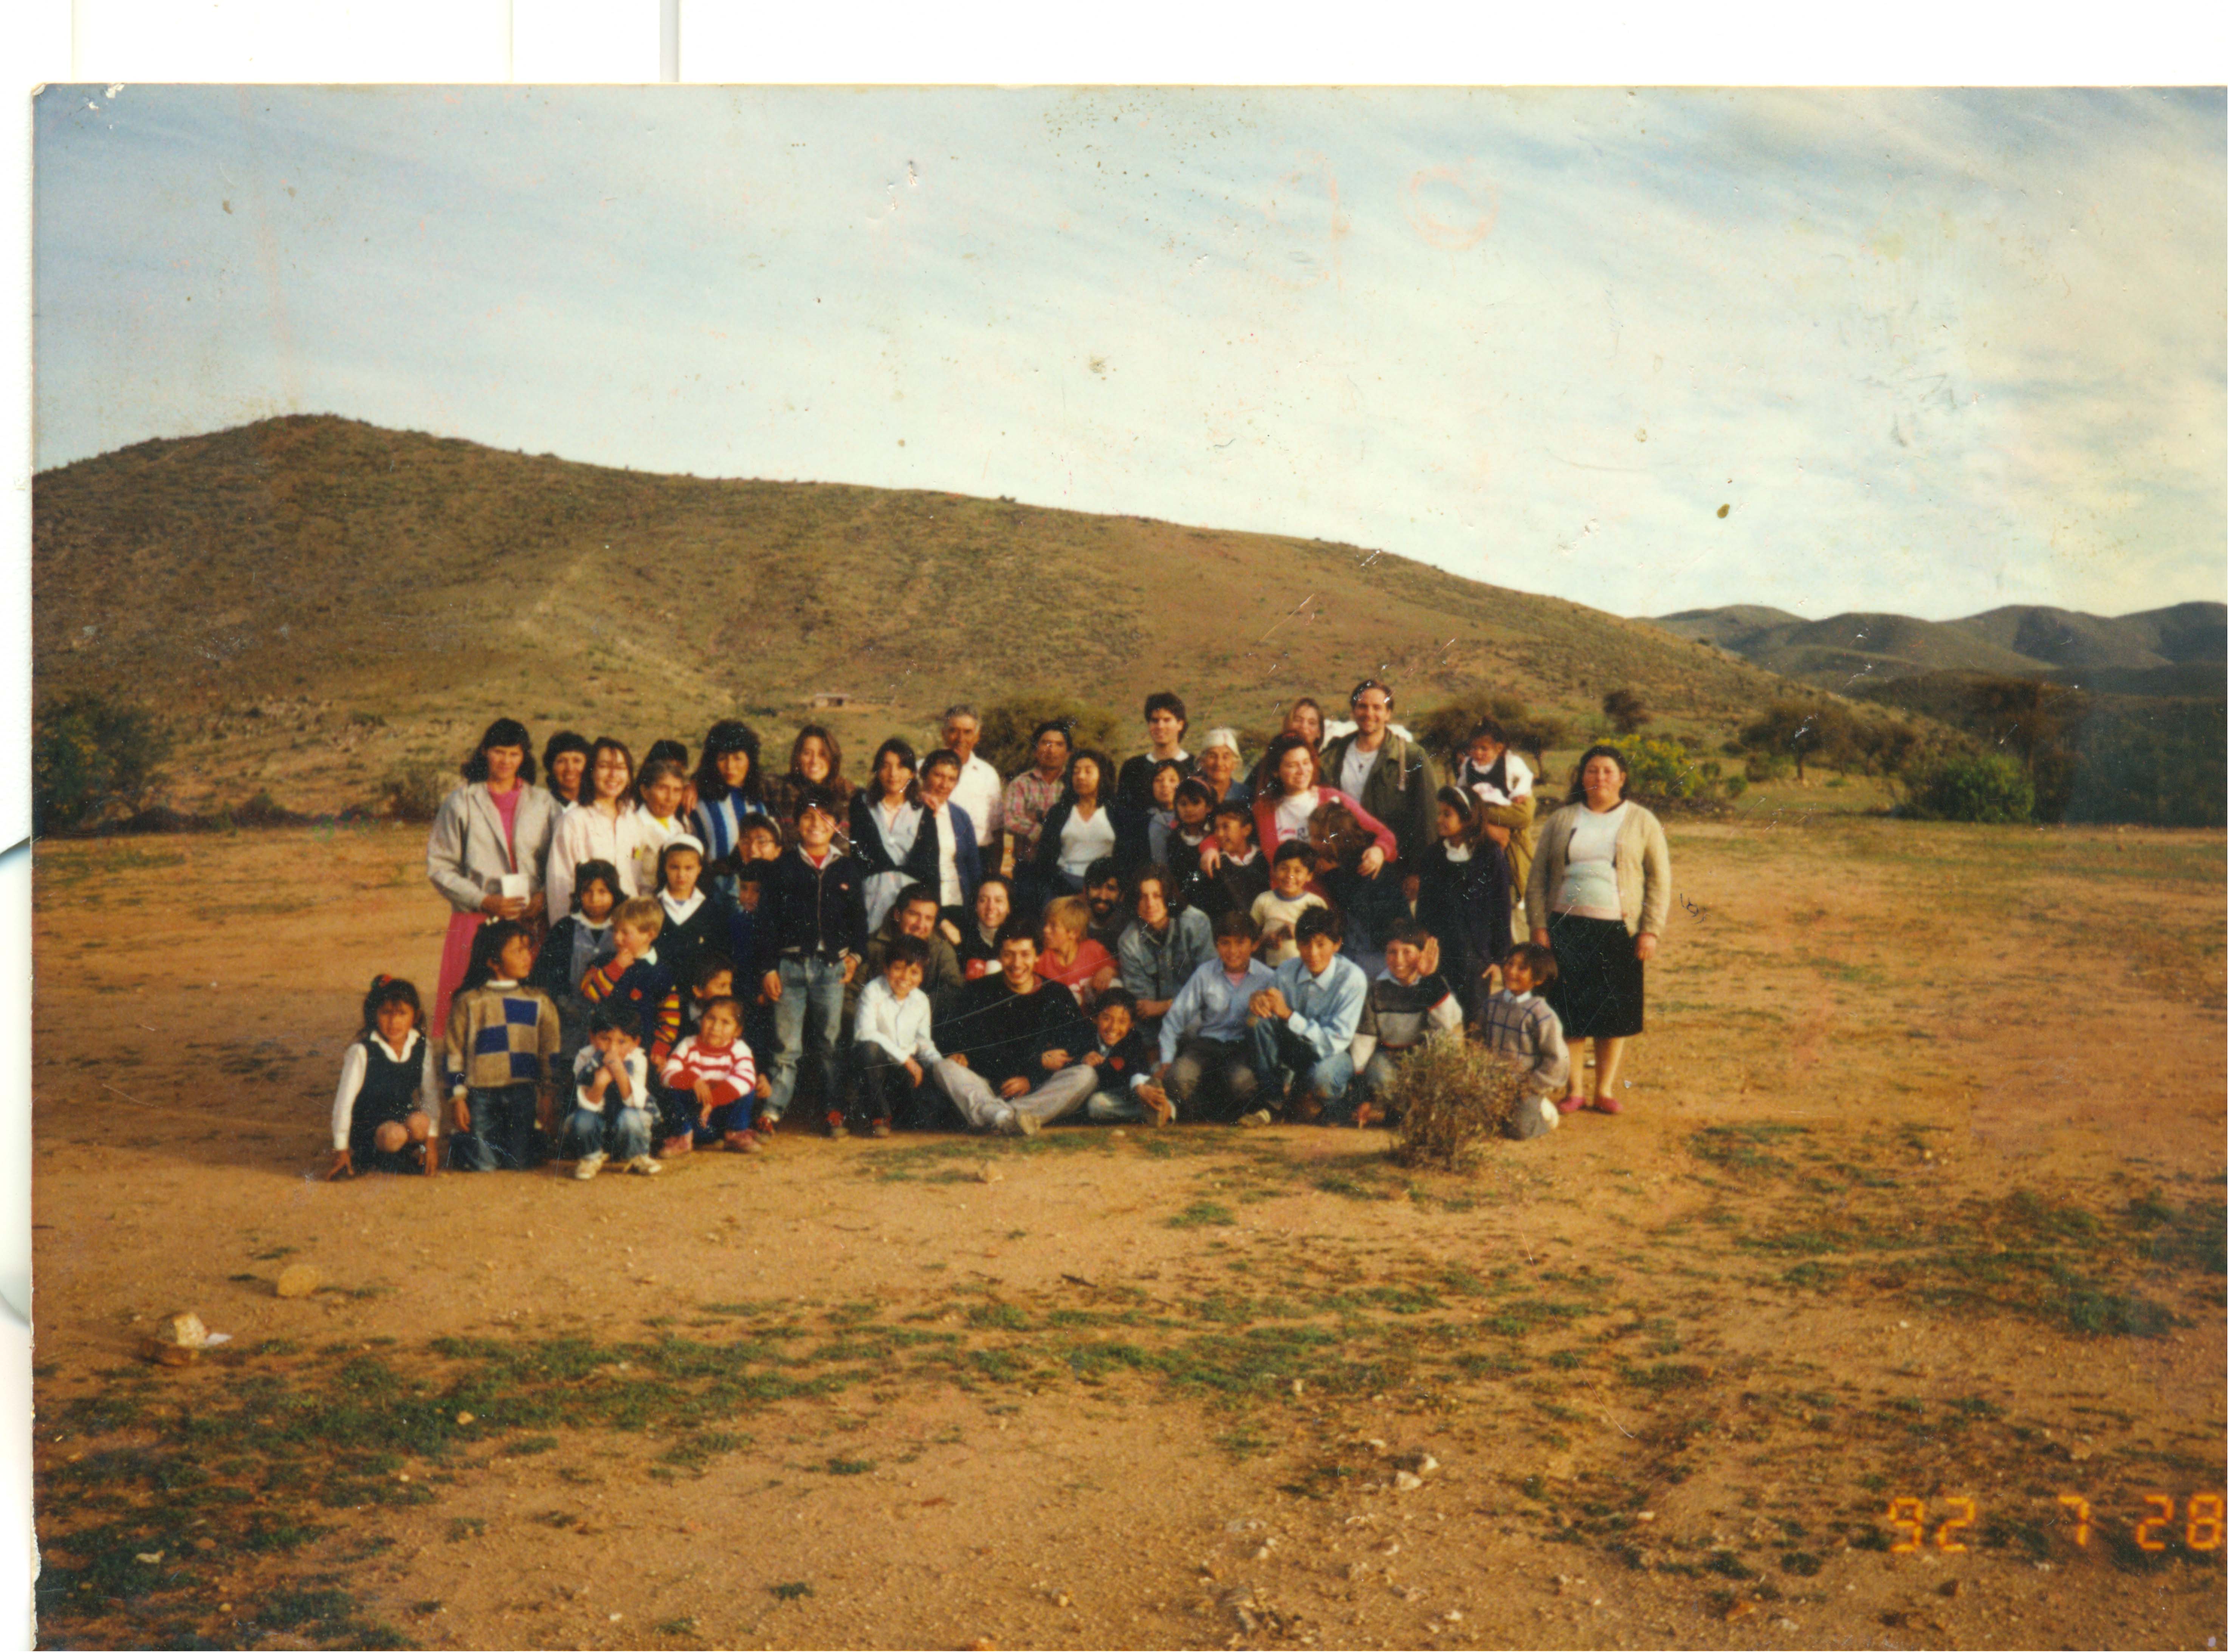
1239	875
577	941
612	1109
1304	1020
681	1013
1521	1028
1122	1056
1277	911
1406	1004
500	1054
891	1045
387	1113
1206	1054
711	1070
632	979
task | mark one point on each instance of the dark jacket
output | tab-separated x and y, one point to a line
710	929
1135	1054
1466	905
1232	888
1402	790
805	912
1004	1033
1133	786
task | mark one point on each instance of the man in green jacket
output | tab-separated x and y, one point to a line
1386	773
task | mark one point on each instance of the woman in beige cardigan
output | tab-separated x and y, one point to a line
1599	897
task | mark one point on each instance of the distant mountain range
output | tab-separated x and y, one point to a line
2182	649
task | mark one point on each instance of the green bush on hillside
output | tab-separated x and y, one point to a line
1988	789
92	758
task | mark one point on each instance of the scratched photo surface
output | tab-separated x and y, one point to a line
1852	463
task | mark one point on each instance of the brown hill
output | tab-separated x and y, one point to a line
314	601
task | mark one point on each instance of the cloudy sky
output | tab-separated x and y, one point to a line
1920	352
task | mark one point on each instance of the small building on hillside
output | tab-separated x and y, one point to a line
830	700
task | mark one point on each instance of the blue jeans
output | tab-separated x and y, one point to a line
1278	1049
619	1132
502	1136
810	983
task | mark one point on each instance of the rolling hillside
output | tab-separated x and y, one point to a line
313	601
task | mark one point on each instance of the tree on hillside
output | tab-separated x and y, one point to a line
92	756
1627	712
1006	725
1807	731
2038	723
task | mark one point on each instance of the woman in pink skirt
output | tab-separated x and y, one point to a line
496	826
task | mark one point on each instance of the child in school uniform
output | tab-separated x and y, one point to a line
811	931
658	813
1188	837
1522	1029
1462	897
893	1046
711	1074
696	922
1121	1053
387	1113
577	941
612	1111
500	1054
1276	911
1233	873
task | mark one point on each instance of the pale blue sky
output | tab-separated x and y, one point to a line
1937	352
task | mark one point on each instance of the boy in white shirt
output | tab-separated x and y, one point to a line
612	1106
890	1045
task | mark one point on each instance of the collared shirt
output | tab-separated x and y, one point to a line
1326	1007
1212	1005
900	1025
981	794
1029	795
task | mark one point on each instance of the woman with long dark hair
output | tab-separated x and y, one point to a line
486	850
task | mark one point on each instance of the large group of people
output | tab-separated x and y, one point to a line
648	960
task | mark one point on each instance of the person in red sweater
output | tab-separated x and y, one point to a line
713	1066
1070	956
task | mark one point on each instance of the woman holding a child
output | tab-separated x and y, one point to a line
1599	895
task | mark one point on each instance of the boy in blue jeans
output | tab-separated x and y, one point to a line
612	1109
1304	1021
811	930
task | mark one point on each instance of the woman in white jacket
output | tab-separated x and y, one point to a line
494	827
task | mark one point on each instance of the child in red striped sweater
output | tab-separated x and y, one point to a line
713	1066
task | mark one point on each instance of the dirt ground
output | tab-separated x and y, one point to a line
1917	1195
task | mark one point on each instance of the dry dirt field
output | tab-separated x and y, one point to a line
1919	1195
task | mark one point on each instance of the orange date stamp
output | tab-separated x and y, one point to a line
1951	1518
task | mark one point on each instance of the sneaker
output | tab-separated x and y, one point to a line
673	1146
1607	1104
643	1165
1026	1123
1570	1104
837	1131
739	1141
586	1168
1365	1115
1257	1118
881	1129
765	1129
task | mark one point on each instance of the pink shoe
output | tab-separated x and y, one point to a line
1607	1105
1570	1104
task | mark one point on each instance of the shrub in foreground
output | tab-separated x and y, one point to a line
1451	1097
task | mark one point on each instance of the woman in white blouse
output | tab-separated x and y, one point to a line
601	828
1078	829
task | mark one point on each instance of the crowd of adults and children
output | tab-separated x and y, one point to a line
647	961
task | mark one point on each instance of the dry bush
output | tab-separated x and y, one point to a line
1451	1097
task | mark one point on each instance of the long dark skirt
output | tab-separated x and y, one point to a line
1599	989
